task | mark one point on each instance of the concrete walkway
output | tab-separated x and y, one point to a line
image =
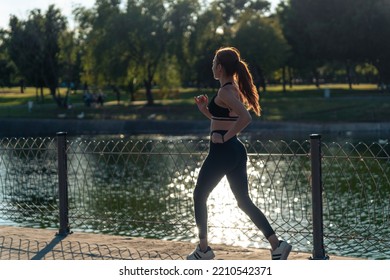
19	243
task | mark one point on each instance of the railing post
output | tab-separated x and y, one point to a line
63	183
316	184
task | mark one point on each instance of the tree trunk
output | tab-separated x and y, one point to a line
149	95
384	75
22	86
290	77
284	78
42	96
349	78
261	78
148	85
117	94
55	97
316	78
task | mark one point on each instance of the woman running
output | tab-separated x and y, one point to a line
229	113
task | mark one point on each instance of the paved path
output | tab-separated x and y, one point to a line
18	243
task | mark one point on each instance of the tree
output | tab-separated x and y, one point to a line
182	18
206	38
126	46
70	60
233	10
261	41
148	38
376	25
34	48
104	32
348	31
7	68
298	19
54	26
25	48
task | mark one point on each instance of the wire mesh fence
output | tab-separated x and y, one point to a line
143	187
357	200
59	249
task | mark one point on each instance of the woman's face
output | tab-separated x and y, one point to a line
216	69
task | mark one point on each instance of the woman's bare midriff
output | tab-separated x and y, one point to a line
221	125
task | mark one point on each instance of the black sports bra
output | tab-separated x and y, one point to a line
218	112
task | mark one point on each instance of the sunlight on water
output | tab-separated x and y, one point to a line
228	224
225	216
145	188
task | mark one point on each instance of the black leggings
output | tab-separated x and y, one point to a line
228	159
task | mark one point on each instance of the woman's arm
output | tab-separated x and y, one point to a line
230	99
202	101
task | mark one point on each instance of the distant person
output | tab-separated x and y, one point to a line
100	98
87	98
228	113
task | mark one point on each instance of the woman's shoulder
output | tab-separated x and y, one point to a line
229	92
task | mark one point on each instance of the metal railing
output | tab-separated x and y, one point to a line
324	198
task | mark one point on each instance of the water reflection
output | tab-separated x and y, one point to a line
26	165
143	187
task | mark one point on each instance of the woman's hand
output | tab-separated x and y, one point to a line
217	138
201	101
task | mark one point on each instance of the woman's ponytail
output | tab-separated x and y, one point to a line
248	88
229	58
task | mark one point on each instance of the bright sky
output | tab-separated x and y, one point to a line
21	8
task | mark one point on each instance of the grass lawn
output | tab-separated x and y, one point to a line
300	104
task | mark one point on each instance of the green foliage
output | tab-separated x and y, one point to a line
133	44
348	31
33	45
266	55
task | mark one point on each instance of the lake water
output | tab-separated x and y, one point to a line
142	186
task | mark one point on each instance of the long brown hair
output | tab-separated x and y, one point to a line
230	59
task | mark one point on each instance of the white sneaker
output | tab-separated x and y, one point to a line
197	254
282	252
